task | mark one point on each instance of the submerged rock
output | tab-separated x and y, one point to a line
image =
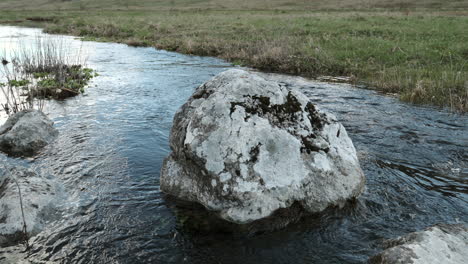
245	147
26	132
40	198
437	244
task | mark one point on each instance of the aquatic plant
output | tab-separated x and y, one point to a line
47	69
14	88
25	236
68	81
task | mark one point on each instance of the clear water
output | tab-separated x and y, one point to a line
113	140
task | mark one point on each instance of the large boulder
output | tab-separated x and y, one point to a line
245	147
441	243
26	132
40	197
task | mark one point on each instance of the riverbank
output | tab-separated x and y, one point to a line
419	55
112	142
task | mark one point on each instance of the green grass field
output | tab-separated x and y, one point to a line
231	4
417	49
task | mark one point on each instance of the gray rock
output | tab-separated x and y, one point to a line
441	243
40	195
245	147
26	132
14	254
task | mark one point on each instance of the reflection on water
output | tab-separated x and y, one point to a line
113	140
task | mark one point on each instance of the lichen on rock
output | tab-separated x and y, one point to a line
440	243
244	147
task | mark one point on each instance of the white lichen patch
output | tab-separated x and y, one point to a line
441	243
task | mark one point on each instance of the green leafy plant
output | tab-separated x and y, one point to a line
18	83
44	70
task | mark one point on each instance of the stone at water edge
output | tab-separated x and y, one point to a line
26	132
41	199
441	243
244	147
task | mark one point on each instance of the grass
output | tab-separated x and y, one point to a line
39	70
417	49
25	234
228	4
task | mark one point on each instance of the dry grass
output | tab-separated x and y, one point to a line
229	4
420	54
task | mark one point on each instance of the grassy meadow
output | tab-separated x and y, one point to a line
417	49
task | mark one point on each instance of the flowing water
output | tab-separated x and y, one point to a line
113	140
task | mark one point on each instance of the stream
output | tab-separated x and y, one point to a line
114	138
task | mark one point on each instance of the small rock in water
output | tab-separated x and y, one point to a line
40	198
441	243
26	132
248	148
